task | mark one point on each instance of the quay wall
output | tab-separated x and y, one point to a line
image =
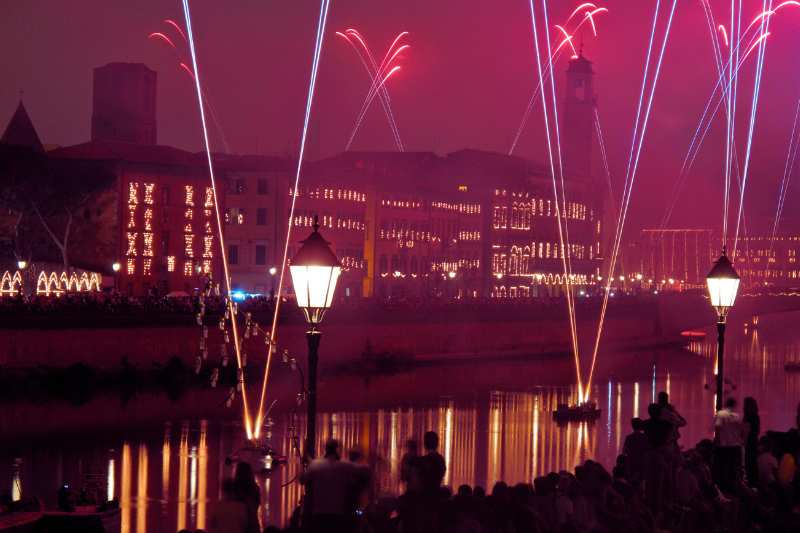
346	338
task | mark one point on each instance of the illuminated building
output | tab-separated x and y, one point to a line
470	224
162	218
767	262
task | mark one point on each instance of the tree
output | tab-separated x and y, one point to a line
50	191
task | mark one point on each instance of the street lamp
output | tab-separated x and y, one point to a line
22	264
315	271
115	266
723	283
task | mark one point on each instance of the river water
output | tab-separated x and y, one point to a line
493	417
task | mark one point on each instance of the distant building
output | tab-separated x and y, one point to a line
20	131
124	103
766	262
683	255
255	216
470	224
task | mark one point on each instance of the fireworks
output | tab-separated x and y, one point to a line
639	130
378	75
182	59
321	25
566	37
223	251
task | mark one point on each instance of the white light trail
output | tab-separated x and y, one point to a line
321	25
552	164
223	250
633	165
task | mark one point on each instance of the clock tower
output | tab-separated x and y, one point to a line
578	119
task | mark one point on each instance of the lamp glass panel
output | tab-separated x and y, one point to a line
722	291
314	285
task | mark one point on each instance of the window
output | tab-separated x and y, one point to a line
263	186
261	254
237	186
261	216
233	254
235	216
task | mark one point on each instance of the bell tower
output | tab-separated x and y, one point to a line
578	118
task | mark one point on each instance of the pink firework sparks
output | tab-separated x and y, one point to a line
579	8
188	70
159	35
567	39
176	26
755	44
724	33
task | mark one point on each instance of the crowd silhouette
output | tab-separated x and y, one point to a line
742	480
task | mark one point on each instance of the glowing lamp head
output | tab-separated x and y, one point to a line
315	271
22	264
115	266
638	277
273	271
622	278
451	275
723	284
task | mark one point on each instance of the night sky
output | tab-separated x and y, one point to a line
465	82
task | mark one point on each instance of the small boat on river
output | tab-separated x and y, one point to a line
583	412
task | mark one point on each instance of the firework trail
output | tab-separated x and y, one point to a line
531	103
221	235
321	25
553	174
375	72
378	69
601	142
724	34
177	28
188	70
788	170
159	35
567	39
706	119
633	165
760	56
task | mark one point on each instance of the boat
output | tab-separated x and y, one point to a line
21	517
693	334
583	412
792	366
105	518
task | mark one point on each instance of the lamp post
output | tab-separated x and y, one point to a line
315	271
115	266
723	283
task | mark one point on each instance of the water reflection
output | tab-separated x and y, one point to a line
485	435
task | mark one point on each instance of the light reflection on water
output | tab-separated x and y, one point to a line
486	435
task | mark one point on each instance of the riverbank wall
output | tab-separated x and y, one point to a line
348	337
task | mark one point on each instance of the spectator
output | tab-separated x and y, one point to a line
729	438
753	424
407	463
329	483
635	448
249	494
432	467
230	514
659	434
